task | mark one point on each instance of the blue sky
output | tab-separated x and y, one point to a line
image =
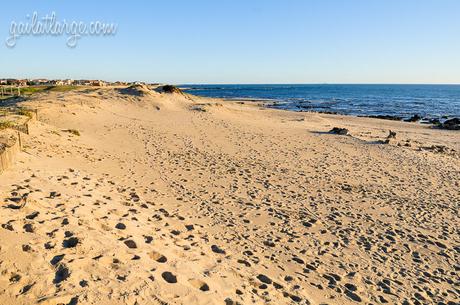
236	41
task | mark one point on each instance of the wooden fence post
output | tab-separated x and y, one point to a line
20	141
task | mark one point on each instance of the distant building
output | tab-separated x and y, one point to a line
39	82
57	82
98	83
16	82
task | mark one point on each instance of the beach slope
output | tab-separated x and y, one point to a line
137	196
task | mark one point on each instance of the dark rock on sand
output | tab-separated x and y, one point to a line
339	131
385	117
391	135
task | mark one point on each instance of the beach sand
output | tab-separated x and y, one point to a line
175	199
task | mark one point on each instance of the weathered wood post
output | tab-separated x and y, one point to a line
20	141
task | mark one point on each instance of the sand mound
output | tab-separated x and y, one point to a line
136	90
168	89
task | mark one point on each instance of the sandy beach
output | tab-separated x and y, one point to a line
134	196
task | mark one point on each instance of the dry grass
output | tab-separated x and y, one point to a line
73	131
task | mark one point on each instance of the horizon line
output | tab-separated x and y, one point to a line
415	84
239	83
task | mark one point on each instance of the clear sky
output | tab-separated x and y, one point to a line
250	41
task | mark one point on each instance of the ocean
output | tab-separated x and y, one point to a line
427	101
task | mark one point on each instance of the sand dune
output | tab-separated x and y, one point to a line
174	199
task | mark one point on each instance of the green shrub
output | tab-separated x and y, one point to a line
5	125
24	112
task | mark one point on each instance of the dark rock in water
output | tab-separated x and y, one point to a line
328	112
432	121
385	117
452	124
339	131
414	118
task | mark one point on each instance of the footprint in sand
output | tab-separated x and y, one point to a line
169	277
120	226
62	274
158	257
71	242
130	244
199	284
